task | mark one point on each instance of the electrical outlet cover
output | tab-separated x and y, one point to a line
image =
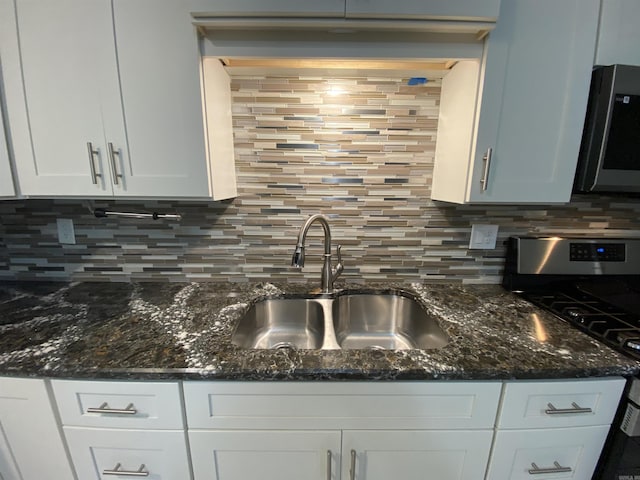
483	237
66	232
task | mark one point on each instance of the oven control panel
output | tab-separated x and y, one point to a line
597	252
572	256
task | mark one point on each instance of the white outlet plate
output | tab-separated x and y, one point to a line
483	237
66	232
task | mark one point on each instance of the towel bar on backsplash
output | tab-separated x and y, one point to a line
102	213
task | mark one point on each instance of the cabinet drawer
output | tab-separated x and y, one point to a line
560	403
161	453
316	405
555	453
119	404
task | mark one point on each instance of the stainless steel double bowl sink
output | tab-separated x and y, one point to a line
386	321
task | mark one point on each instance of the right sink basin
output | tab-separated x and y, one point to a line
384	322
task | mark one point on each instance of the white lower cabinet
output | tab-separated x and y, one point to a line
415	455
547	453
120	429
100	453
340	431
31	446
553	429
324	455
226	430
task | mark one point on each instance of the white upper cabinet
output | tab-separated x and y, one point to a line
272	8
114	102
619	36
71	88
6	179
159	66
478	10
11	95
513	136
436	16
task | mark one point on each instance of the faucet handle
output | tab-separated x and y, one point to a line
339	266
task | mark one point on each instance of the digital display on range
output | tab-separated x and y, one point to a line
597	252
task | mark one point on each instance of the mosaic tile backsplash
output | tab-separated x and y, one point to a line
359	150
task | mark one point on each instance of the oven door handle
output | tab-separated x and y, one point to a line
552	410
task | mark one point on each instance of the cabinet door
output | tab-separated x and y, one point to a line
72	96
415	455
6	179
533	98
159	64
482	10
618	36
100	453
569	453
265	455
28	430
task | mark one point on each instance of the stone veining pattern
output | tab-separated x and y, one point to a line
183	330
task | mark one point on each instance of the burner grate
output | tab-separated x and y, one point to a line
608	323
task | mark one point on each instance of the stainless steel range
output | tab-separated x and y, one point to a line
594	284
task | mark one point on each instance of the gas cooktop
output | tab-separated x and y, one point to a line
591	283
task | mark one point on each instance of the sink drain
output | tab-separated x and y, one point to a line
375	347
284	346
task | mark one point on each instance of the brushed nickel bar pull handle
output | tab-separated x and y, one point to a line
92	165
328	464
104	408
552	410
352	470
557	468
114	165
484	181
117	470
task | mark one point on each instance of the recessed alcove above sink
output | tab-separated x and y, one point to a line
377	321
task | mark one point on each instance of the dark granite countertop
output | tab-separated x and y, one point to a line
181	330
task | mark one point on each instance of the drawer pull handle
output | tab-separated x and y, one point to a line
562	411
557	468
328	464
104	408
352	470
117	470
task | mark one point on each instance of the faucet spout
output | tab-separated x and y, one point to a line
328	275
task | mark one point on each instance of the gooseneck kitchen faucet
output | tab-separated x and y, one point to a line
329	275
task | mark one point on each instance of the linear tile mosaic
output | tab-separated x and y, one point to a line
357	150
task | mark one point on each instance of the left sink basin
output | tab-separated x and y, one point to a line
281	323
